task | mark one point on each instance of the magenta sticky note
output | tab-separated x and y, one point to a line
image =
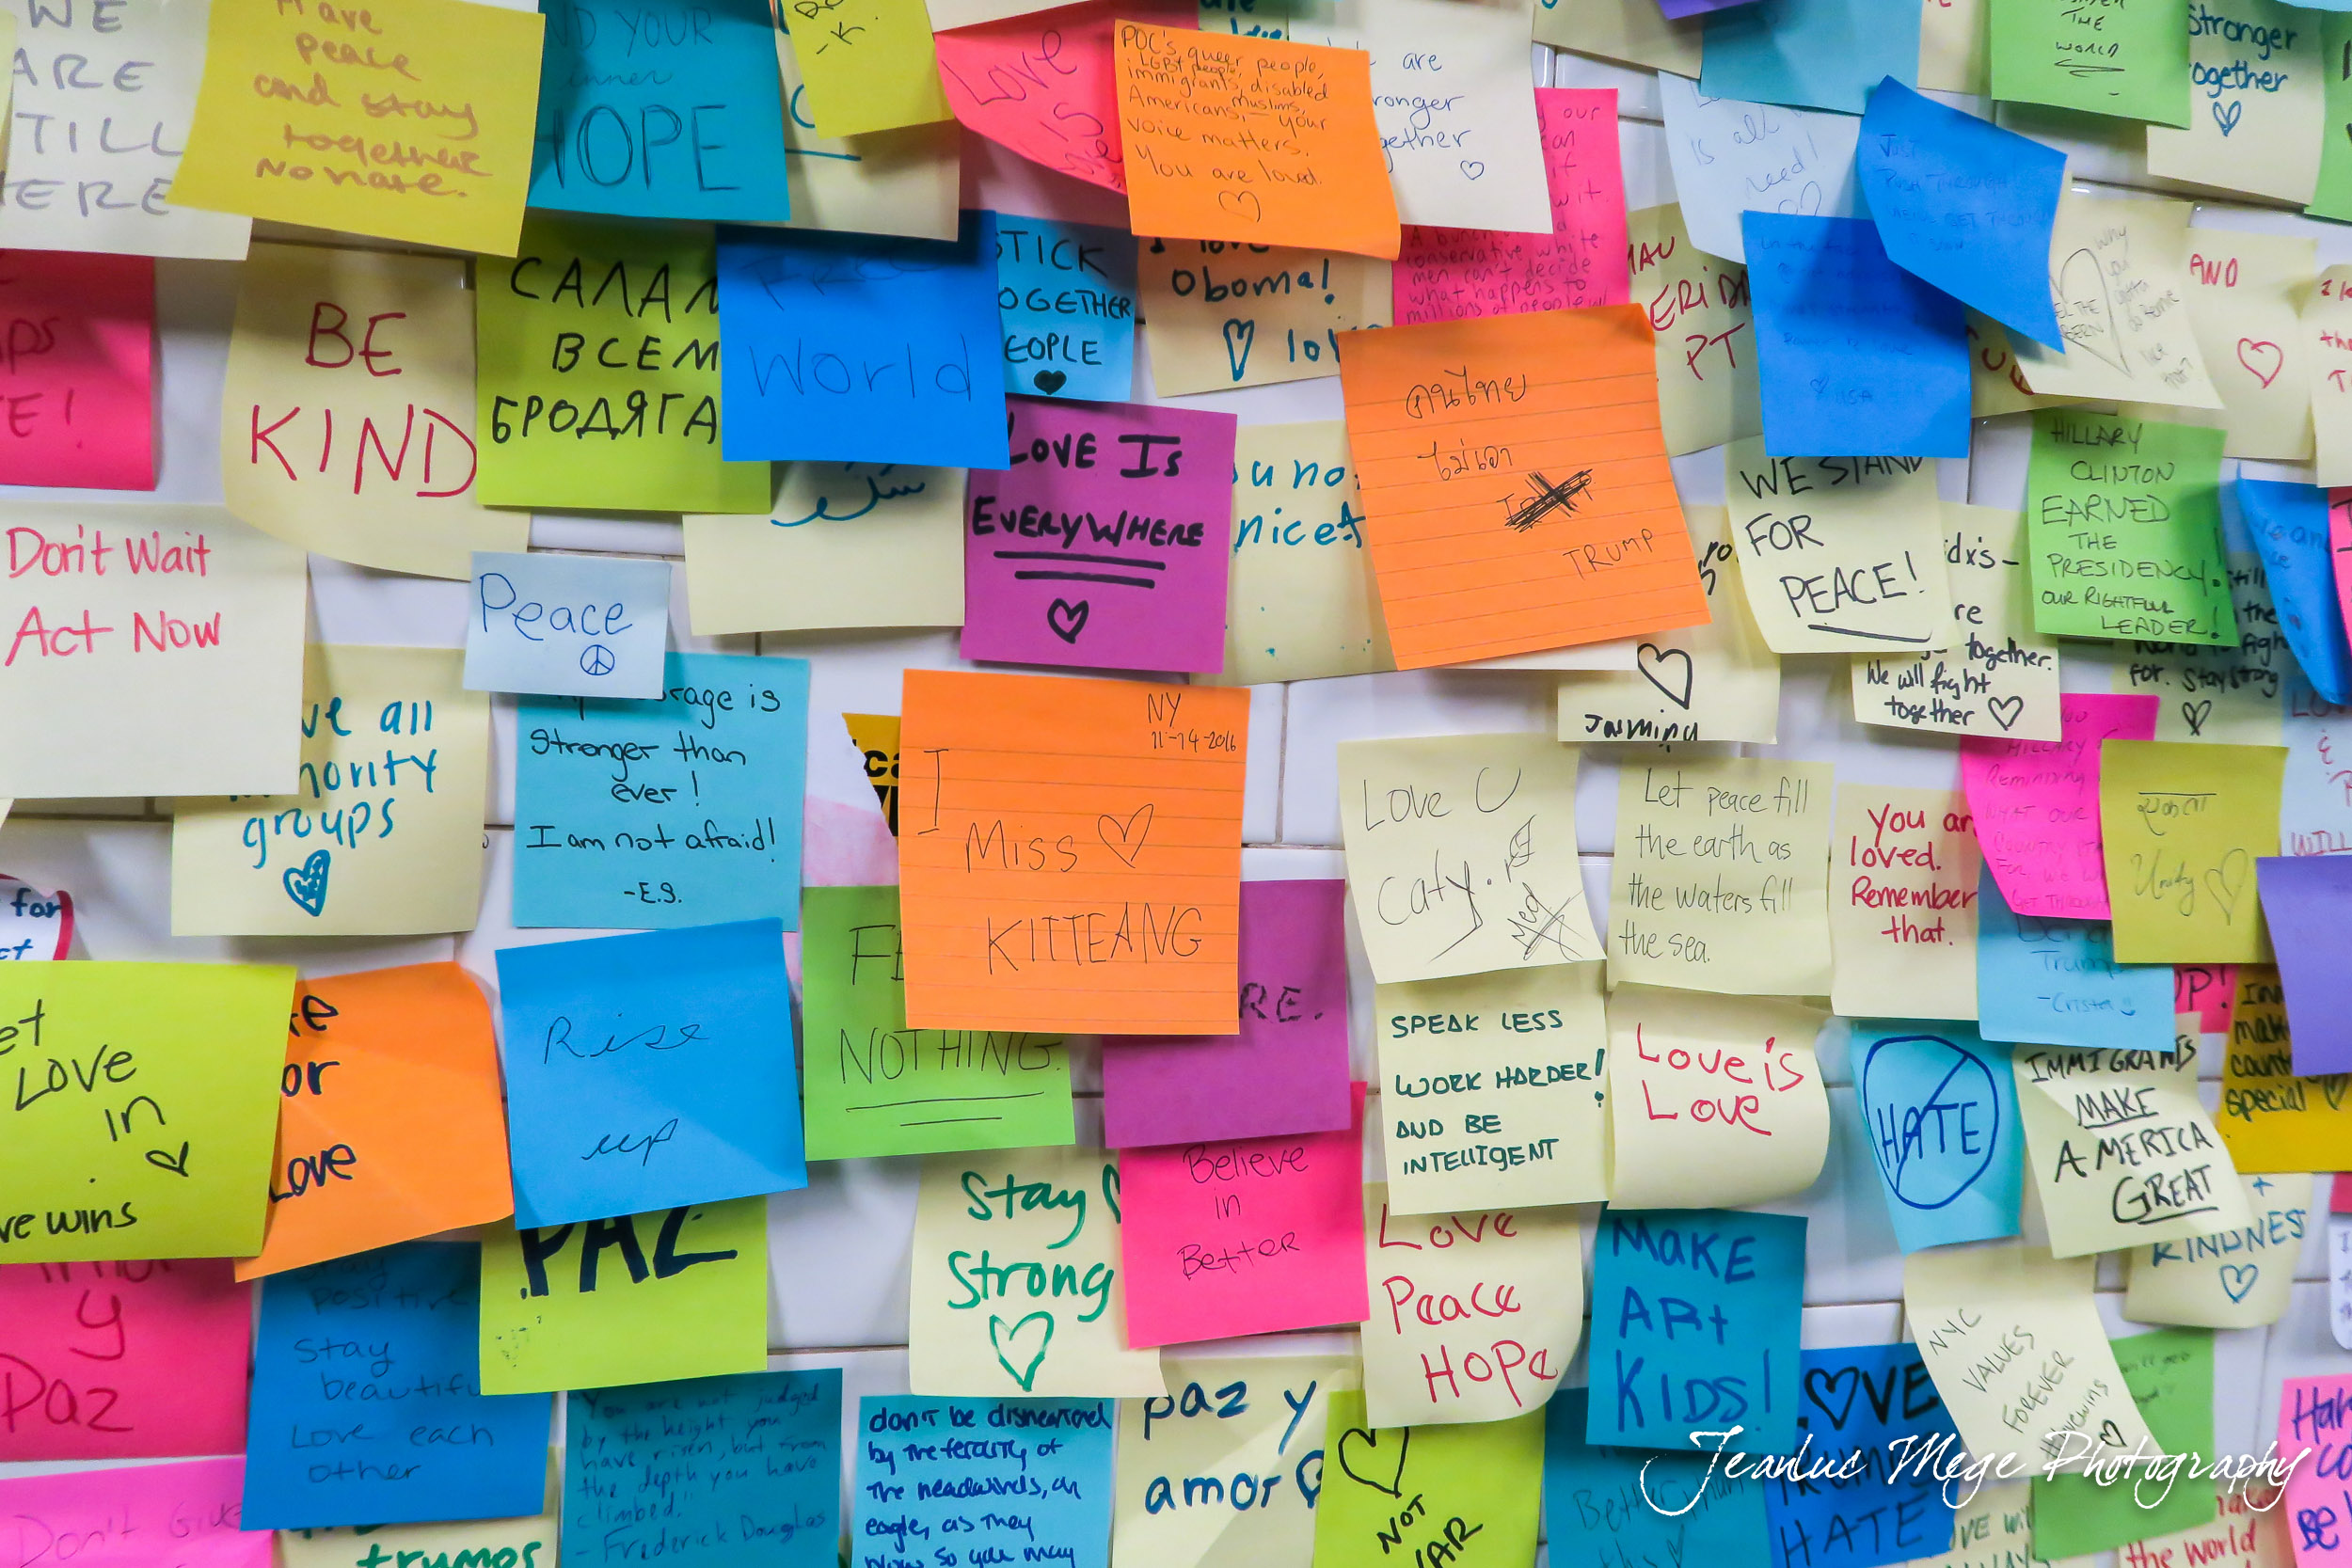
123	1360
1245	1236
2036	805
1106	544
1285	1071
77	382
182	1515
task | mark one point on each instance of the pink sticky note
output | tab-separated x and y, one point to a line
2036	804
1045	84
2340	546
1452	274
1286	1071
2209	990
77	380
1105	545
2315	1422
141	1516
1249	1236
2339	1194
123	1360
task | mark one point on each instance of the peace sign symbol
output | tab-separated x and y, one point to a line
597	659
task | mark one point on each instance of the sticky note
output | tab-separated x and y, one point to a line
2311	1416
2289	526
2258	103
2124	519
1499	811
179	624
1939	1107
1047	1316
2118	283
1703	331
1904	868
1730	155
566	626
1132	792
2169	1375
2210	992
2141	50
913	1487
901	181
2247	1530
1618	30
1965	1305
440	157
1479	1481
118	1514
2325	335
2314	812
80	394
2303	900
869	66
1721	880
1286	1071
1243	1235
668	1294
2219	693
2183	824
1540	440
1067	296
1218	316
598	370
381	833
874	1086
862	347
1839	554
2036	805
1996	1524
1270	1439
706	825
1603	1500
846	545
740	1470
1713	1100
1655	1383
1494	1089
2040	977
1999	676
1809	54
1104	543
1965	204
2123	1150
347	419
2244	293
2242	1279
1447	82
1300	600
1444	274
35	924
1067	76
1318	175
1874	1514
390	1124
123	1360
178	1166
121	175
648	1071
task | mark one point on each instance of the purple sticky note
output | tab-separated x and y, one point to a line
1105	545
1285	1072
1676	9
2308	903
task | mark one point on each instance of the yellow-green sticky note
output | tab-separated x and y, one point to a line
2183	823
1468	1491
2126	58
2124	519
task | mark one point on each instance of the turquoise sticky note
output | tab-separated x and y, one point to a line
2056	982
1066	294
933	1470
683	811
1630	1508
568	626
1939	1111
2288	524
1808	53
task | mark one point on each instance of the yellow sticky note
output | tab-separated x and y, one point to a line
2181	825
1955	50
1999	677
411	119
867	64
382	832
2118	270
2218	692
1300	601
1697	305
347	419
2257	122
2241	1280
1257	1419
2325	322
142	1108
1219	315
1714	1102
1902	903
2243	293
2272	1121
1839	554
888	182
645	1298
847	545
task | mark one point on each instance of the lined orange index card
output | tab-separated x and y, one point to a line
1515	491
1070	853
1255	140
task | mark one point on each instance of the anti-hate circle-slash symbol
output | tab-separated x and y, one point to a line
1936	1117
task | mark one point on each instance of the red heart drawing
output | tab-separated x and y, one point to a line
2253	354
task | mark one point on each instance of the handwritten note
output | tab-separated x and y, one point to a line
1867	1510
846	545
2124	517
117	1515
2304	900
79	378
1839	553
868	64
2290	527
2036	805
1300	601
2242	298
2257	104
2124	1152
2325	332
1704	334
1642	1508
2170	1375
1730	156
1999	676
2249	1530
1046	86
2237	1280
902	181
1067	296
1247	1435
35	924
1457	122
1712	1100
348	1545
2219	693
123	1360
568	626
1904	870
1468	1486
2119	280
2314	804
1939	1106
1208	304
2042	978
2131	62
916	1486
2183	824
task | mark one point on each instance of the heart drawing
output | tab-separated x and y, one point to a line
1659	667
1821	1386
2087	314
1376	1459
1048	382
1066	620
2228	881
1239	336
2256	354
2237	1280
1472	168
1014	1353
1125	839
2227	115
1242	204
2195	714
305	884
2005	710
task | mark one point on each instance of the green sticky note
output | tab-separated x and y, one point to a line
2124	517
2333	196
2169	1373
142	1108
597	372
1464	1495
2181	825
645	1298
2127	58
871	1085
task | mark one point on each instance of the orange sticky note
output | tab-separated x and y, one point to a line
1070	853
1252	139
1514	485
390	1123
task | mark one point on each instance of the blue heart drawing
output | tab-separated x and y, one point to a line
2227	116
2237	1280
305	884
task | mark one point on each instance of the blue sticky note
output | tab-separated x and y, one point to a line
656	815
366	1406
1808	53
1876	1402
1695	1328
648	1071
711	1472
1856	357
1067	294
2289	527
1939	1111
1963	204
568	626
1630	1508
660	109
2056	982
933	1473
858	348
